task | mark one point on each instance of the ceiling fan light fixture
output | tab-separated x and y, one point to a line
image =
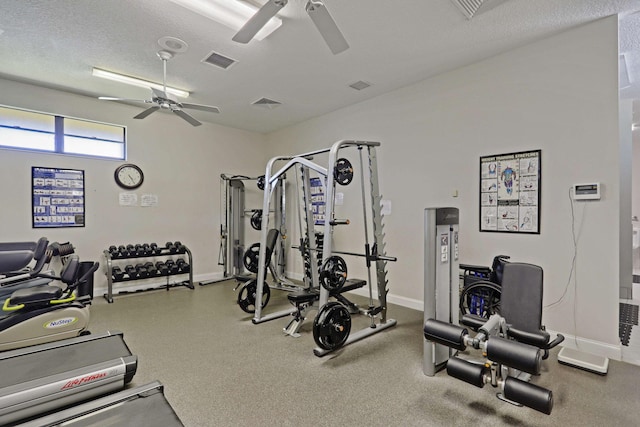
121	78
230	13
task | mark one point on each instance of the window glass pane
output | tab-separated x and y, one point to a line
22	119
19	138
92	147
87	129
26	129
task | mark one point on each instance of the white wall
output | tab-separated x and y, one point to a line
182	165
558	95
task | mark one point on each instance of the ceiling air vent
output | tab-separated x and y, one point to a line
219	60
266	103
469	8
359	85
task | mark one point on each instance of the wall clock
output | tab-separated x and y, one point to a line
129	176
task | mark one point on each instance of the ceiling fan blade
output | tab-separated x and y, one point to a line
259	20
187	117
109	98
146	112
327	26
209	108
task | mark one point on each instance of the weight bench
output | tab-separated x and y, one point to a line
513	343
305	300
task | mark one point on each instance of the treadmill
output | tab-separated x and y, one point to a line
50	376
140	406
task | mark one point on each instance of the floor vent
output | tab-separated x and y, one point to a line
266	103
359	85
219	60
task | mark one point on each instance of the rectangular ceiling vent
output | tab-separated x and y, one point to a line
266	103
219	60
470	8
359	85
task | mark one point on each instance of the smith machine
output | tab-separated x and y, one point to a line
233	256
332	325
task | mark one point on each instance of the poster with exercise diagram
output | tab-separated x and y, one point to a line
510	192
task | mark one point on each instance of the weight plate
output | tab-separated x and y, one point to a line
252	257
333	273
260	182
247	296
343	171
256	219
331	326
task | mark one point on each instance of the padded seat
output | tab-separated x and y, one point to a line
303	297
36	294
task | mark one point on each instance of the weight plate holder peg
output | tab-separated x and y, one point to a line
343	171
333	273
256	219
331	326
247	296
252	256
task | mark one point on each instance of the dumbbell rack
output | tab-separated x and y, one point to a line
160	252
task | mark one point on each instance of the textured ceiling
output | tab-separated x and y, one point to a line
55	43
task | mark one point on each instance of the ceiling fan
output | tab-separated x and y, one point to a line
317	12
161	99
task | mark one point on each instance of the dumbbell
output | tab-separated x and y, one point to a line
180	248
117	273
171	247
146	249
162	268
153	271
172	266
113	251
153	247
123	251
131	271
142	271
183	266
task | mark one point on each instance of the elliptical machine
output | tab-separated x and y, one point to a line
49	312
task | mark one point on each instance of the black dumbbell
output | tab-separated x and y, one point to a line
153	271
183	266
117	273
131	271
113	250
180	248
171	247
146	249
155	250
142	271
172	266
123	251
162	268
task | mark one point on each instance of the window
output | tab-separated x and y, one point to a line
29	130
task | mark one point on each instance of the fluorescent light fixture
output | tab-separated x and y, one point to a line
230	13
97	72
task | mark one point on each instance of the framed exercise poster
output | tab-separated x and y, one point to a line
510	192
57	197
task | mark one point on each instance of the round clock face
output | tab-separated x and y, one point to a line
129	176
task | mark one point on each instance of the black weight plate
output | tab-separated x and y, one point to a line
247	296
251	258
343	171
260	182
333	273
256	220
331	326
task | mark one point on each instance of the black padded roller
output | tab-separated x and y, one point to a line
445	333
472	373
523	357
527	394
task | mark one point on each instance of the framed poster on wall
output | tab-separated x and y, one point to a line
57	197
510	192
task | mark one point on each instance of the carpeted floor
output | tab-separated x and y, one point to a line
219	369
